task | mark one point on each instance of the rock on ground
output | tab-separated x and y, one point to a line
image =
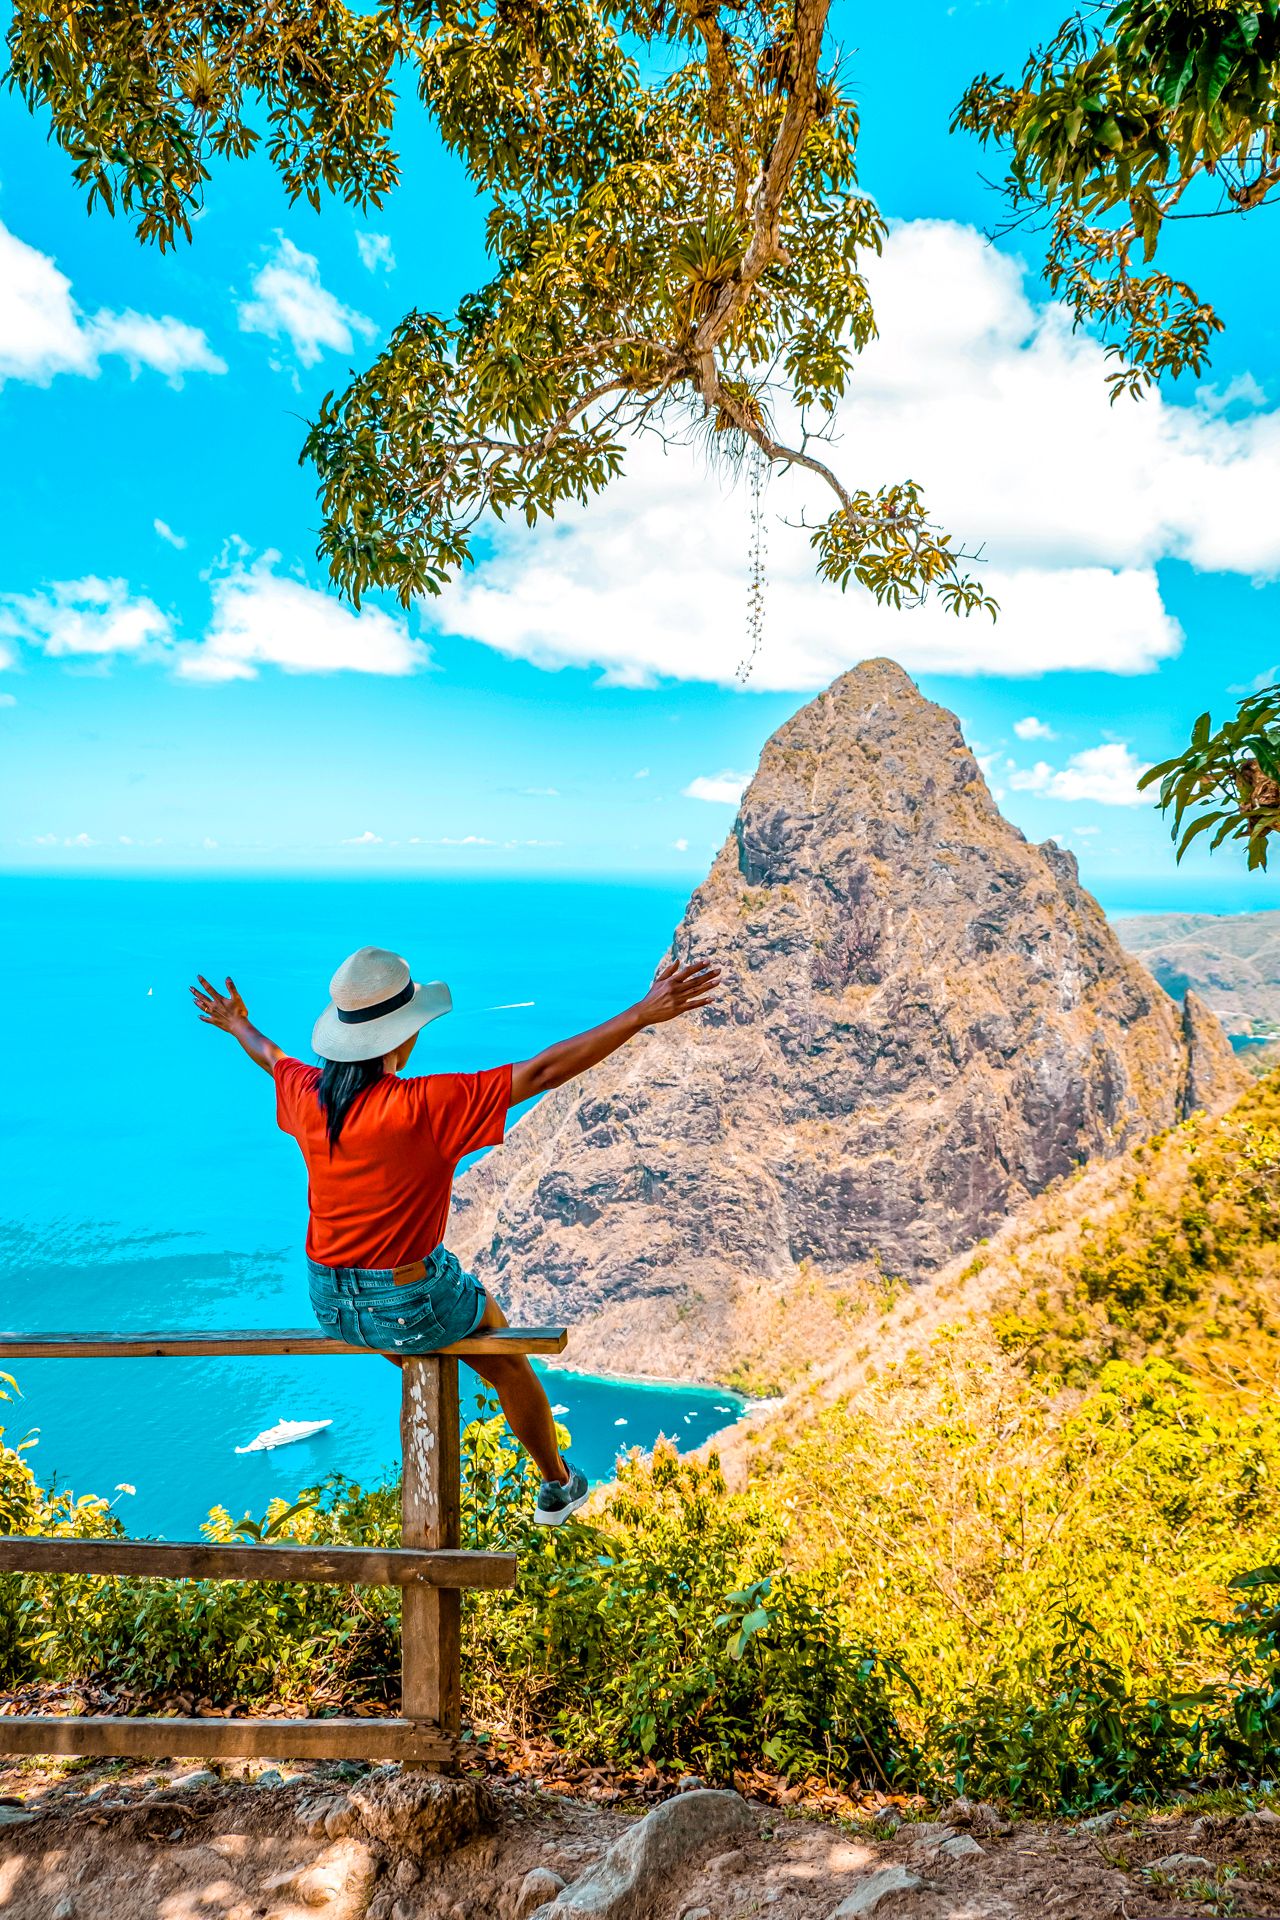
640	1866
875	1890
538	1888
421	1813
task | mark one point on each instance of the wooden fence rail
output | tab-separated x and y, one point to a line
429	1567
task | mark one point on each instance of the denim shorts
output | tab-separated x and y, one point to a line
364	1307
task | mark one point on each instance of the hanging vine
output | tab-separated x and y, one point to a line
756	566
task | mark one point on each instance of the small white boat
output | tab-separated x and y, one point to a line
283	1432
559	1409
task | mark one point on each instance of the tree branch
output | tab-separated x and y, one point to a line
765	245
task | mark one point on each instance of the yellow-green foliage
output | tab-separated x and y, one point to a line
962	1505
1185	1263
1105	1442
670	1628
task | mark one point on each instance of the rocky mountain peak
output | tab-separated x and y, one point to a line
925	1019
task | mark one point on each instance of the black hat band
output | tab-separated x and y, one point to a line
358	1015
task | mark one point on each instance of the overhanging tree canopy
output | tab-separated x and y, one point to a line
673	220
1137	116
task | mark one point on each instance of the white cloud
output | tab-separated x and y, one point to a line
1001	413
263	617
1033	729
290	302
84	617
7	700
167	533
208	843
365	839
1107	774
467	840
724	788
681	846
542	793
1242	390
375	251
641	773
79	840
43	331
259	617
166	345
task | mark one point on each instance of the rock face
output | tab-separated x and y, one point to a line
924	1020
1211	1059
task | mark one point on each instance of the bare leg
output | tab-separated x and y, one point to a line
525	1404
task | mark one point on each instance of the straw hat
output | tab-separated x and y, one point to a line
375	1004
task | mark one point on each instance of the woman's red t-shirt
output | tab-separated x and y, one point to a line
381	1197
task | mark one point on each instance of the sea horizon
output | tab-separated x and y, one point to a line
1126	896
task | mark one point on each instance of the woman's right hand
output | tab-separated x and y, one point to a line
676	989
679	989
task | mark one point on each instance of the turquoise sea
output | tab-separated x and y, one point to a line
145	1185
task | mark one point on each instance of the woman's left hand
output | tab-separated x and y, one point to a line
226	1010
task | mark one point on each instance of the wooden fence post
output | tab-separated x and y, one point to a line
431	1618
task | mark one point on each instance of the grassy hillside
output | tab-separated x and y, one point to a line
992	1547
1103	1436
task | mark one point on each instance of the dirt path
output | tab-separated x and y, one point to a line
107	1842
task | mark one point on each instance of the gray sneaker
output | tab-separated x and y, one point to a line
558	1499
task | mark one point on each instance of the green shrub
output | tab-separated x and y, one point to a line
1081	1735
680	1635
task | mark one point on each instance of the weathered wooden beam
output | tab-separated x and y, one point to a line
264	1340
431	1626
412	1742
453	1568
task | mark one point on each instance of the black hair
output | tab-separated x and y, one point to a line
341	1084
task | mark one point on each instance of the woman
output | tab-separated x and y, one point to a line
381	1152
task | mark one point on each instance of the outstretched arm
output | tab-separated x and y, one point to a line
675	990
228	1011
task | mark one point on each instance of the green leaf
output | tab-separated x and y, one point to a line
1265	754
1205	821
1266	1576
1219	75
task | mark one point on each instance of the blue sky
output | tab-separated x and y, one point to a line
179	691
